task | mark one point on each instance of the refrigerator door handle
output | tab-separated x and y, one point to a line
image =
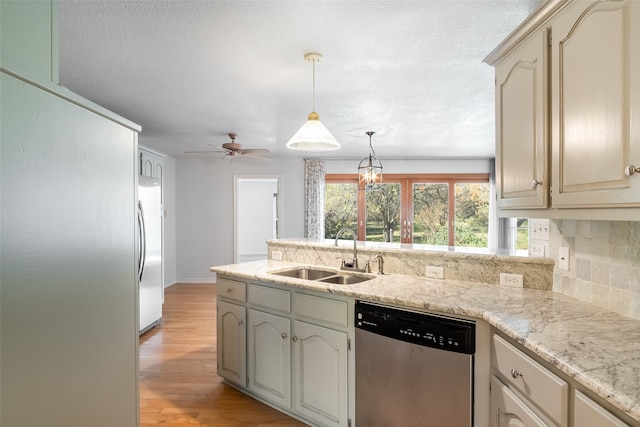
142	256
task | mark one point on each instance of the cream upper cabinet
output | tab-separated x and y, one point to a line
522	175
595	102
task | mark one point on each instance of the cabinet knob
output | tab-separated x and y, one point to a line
229	290
515	373
630	170
535	183
240	322
294	338
284	336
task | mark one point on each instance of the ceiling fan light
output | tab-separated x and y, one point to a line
313	136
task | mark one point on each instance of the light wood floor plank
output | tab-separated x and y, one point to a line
179	386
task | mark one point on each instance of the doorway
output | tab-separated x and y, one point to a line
257	215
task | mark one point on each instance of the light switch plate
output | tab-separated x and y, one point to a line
537	250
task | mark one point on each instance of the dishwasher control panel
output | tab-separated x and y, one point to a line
457	335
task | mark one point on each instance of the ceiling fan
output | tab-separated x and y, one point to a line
233	149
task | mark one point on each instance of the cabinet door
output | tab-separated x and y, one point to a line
521	126
150	164
320	374
594	136
232	342
270	357
507	410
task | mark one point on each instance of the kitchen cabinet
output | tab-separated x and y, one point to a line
595	98
297	352
151	163
269	345
525	390
232	331
588	413
522	176
568	100
508	410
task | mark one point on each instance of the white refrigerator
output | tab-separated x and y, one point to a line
151	291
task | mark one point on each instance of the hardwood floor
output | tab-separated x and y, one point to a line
179	386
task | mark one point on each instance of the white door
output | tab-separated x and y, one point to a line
257	216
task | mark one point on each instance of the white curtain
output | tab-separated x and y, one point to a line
314	199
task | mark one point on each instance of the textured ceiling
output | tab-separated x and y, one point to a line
189	72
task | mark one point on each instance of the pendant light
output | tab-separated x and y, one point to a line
369	169
313	135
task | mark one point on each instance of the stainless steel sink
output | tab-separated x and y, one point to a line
305	273
345	279
322	275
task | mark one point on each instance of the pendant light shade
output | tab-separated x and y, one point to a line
313	135
369	169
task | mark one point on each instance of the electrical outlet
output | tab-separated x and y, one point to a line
276	255
563	258
434	272
513	280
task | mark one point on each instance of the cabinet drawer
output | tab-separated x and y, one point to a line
547	391
323	309
588	413
264	296
232	289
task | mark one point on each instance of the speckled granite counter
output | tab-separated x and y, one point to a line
597	348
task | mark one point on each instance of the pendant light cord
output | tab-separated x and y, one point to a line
314	86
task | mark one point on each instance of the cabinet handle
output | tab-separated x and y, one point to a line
515	373
294	338
240	322
631	169
535	183
229	290
284	336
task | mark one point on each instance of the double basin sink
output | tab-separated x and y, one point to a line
322	275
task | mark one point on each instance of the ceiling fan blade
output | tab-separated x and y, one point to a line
255	151
204	151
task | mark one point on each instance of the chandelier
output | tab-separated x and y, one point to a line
369	169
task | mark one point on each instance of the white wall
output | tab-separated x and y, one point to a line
169	183
413	166
204	209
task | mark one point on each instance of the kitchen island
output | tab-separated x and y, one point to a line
597	349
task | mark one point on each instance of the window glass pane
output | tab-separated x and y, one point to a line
472	215
383	213
340	207
431	213
522	234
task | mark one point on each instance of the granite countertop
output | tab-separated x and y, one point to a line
596	347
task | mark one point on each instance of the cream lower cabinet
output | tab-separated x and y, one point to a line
588	413
270	357
523	392
320	374
508	410
232	342
289	348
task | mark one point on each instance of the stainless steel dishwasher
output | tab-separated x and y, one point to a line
412	369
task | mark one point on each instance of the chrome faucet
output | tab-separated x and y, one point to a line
354	263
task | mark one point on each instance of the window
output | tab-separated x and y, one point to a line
424	209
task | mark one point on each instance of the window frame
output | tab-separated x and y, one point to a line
406	182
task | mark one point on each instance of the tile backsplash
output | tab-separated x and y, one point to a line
604	263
